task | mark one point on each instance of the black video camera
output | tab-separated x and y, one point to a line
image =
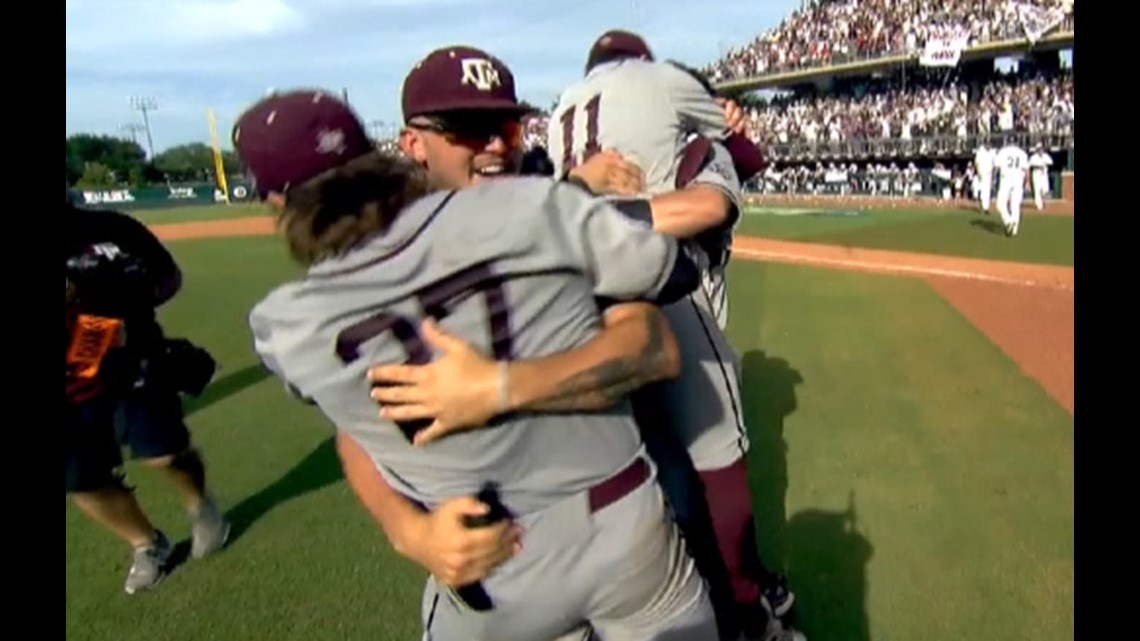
181	365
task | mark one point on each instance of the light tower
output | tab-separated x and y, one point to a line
132	129
145	104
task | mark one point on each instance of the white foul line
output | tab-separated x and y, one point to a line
902	269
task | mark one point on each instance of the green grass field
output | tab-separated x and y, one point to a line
1041	239
208	212
912	488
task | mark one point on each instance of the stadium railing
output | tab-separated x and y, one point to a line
926	184
896	149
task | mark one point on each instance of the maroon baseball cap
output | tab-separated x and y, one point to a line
288	138
617	44
459	77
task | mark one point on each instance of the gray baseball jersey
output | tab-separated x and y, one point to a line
645	110
715	245
649	111
704	402
512	267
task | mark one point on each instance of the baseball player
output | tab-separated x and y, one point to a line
513	266
671	104
1013	166
648	111
717	448
1039	164
984	166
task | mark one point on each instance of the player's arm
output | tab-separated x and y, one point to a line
709	199
636	347
464	389
436	540
627	261
619	249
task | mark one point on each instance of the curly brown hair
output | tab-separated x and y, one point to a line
338	210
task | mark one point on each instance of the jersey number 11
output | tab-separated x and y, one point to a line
569	160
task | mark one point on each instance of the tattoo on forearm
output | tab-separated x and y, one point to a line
610	381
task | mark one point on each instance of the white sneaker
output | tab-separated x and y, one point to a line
209	527
776	632
148	566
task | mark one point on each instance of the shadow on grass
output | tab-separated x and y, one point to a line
827	563
319	469
225	387
973	207
823	556
992	226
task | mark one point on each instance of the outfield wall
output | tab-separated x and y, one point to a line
184	195
814	183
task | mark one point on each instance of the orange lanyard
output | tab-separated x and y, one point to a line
91	338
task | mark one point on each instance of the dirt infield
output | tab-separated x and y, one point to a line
253	226
1057	207
1032	325
904	263
1026	310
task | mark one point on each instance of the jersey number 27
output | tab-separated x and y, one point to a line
437	301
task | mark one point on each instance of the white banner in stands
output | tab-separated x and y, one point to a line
1037	21
944	51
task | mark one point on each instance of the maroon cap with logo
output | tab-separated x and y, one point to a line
459	77
288	138
617	43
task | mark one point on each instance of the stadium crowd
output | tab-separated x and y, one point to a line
927	106
842	30
534	131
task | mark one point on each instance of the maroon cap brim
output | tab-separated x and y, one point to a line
489	104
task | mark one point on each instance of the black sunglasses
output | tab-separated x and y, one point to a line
479	126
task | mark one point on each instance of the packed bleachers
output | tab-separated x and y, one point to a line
897	131
839	31
928	105
534	131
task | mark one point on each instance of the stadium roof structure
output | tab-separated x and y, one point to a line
1053	42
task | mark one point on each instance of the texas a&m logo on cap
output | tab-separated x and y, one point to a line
480	73
331	141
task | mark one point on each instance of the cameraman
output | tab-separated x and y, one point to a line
124	379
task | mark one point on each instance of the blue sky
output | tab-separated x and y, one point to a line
195	55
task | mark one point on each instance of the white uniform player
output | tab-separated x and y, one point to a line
1039	164
1012	164
984	166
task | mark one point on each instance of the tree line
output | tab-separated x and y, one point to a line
102	162
110	162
